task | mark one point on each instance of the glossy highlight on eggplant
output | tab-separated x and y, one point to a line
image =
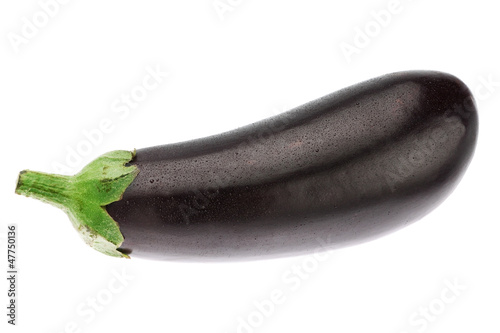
343	169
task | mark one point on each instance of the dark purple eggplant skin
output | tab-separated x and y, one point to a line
343	169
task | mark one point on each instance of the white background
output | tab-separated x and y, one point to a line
228	67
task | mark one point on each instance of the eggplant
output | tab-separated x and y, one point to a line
343	169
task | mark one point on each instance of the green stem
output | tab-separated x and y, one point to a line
49	188
83	196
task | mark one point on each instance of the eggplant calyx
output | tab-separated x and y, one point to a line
84	195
